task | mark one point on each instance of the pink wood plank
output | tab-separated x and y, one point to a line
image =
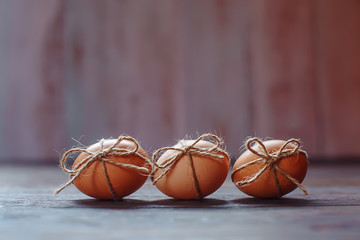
162	69
338	75
127	69
217	70
32	118
283	71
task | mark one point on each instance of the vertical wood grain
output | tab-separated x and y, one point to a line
5	12
158	70
32	112
338	75
283	71
217	70
128	69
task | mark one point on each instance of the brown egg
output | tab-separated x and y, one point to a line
179	181
265	186
124	181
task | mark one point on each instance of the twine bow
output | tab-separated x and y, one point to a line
190	150
103	156
271	162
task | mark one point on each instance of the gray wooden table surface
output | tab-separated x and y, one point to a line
29	210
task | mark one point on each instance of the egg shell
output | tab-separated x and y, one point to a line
265	186
92	181
179	181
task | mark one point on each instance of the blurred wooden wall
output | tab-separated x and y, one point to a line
158	70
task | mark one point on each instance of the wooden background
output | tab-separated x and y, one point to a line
158	70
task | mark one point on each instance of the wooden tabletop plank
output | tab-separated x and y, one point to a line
330	211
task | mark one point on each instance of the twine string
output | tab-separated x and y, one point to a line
105	170
103	156
196	181
190	150
271	161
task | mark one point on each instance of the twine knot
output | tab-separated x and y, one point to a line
102	156
189	150
271	161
